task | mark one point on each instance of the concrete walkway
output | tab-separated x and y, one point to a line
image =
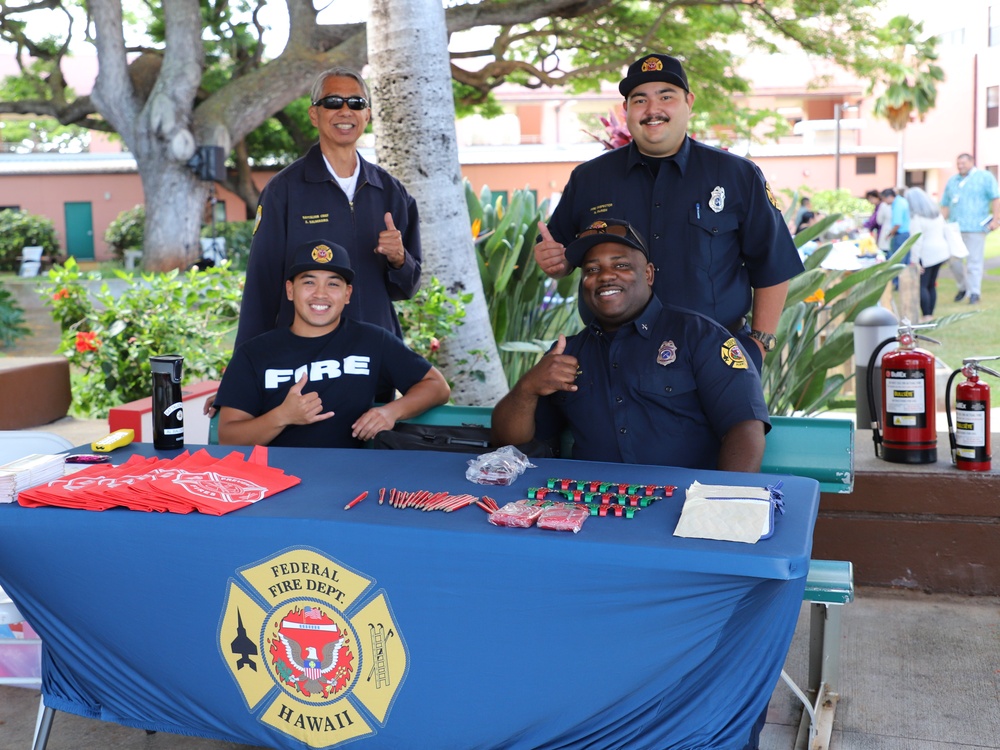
918	672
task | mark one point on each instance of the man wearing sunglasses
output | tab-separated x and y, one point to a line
333	192
645	382
716	237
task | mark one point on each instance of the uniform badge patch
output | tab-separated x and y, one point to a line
667	353
652	64
732	355
718	200
322	254
256	223
770	195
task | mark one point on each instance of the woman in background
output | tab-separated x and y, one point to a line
930	250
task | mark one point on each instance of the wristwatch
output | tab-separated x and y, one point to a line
767	340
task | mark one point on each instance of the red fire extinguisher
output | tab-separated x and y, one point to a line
908	400
970	436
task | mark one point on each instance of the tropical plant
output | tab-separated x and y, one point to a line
19	229
816	331
527	309
12	325
109	345
909	77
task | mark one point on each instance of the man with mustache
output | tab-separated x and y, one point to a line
716	236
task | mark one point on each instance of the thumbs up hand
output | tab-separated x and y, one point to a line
550	254
390	243
556	371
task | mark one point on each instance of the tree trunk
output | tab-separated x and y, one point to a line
175	204
414	122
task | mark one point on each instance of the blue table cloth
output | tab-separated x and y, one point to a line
294	623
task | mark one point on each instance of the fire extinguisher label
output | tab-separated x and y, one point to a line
970	424
904	398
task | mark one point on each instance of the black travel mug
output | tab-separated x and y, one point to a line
168	405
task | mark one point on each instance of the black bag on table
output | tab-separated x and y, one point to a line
466	438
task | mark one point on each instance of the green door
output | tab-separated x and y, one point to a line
80	230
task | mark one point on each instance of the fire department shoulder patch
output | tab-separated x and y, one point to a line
732	355
256	222
309	645
770	195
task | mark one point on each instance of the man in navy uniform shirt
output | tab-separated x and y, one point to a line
314	383
332	192
644	382
718	242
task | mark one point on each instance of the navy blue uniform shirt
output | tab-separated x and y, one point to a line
664	389
713	233
303	202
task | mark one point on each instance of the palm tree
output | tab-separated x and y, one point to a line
910	77
413	112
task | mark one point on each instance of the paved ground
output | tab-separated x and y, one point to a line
918	672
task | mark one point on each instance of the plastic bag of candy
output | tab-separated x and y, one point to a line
522	513
502	466
563	517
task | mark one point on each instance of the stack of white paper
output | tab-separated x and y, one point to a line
734	514
38	468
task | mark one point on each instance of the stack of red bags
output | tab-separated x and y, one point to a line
182	484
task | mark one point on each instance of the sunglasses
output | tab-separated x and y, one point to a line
337	102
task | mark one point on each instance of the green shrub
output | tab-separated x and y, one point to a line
128	230
429	317
12	325
110	342
19	229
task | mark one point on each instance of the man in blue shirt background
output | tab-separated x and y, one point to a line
972	200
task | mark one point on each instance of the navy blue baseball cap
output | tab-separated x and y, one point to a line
654	67
599	232
321	255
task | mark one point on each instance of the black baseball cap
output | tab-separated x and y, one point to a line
321	255
654	68
599	232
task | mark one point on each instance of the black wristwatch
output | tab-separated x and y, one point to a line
767	340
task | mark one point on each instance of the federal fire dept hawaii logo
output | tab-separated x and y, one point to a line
315	652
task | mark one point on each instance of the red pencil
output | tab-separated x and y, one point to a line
356	500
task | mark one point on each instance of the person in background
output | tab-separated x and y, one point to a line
930	250
805	207
807	219
972	199
872	224
907	284
883	220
